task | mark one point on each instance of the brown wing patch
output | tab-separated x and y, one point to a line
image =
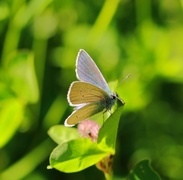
83	113
82	92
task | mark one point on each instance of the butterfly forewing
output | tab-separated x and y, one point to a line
87	71
83	113
82	92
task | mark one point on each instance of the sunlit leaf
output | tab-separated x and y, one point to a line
110	128
77	155
61	134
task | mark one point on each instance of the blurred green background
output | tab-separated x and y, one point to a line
39	42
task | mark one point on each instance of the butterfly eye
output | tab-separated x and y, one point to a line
113	96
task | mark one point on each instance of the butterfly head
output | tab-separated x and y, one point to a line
115	97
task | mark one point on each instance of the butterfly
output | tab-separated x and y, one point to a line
91	94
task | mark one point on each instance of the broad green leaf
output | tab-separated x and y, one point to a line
21	75
110	128
77	155
61	134
143	171
11	115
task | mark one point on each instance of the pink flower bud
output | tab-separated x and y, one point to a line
89	129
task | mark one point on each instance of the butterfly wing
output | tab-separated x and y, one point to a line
82	114
91	94
82	93
87	71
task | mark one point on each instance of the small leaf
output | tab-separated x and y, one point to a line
143	171
21	74
110	128
77	155
61	134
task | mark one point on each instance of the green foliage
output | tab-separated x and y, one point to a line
39	41
108	132
11	115
61	134
19	69
143	171
75	154
18	87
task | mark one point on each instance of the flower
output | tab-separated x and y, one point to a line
89	129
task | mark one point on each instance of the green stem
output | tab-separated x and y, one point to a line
108	176
11	40
103	21
39	49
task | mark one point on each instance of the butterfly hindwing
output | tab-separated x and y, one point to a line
83	113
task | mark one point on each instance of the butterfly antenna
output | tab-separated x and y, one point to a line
124	80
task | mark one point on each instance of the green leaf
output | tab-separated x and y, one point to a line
61	134
78	154
11	115
143	171
22	78
110	128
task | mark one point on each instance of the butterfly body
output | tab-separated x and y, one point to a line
91	94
